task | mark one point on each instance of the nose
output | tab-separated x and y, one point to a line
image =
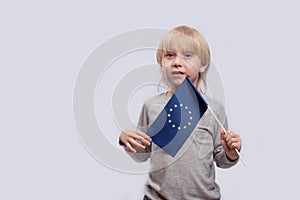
177	61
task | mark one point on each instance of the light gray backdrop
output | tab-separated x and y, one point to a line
43	45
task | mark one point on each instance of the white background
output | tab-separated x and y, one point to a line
254	44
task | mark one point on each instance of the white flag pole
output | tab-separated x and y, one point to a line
212	112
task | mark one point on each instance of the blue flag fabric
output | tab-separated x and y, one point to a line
178	119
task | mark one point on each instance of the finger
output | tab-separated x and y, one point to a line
136	144
142	134
146	142
130	148
230	135
234	144
222	134
237	145
231	141
141	139
224	145
227	138
135	133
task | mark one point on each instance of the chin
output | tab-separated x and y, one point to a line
175	83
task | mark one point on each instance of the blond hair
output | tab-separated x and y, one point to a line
192	40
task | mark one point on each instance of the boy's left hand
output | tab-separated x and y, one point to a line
231	141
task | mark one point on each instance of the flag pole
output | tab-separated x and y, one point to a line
212	112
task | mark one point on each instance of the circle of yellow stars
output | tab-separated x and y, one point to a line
184	126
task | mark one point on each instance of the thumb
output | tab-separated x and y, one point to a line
222	134
223	140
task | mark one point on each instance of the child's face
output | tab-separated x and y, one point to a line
177	63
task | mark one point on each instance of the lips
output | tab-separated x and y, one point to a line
178	73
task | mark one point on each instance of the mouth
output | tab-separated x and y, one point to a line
178	73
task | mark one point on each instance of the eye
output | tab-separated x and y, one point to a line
188	55
169	54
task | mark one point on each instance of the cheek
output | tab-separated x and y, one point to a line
165	66
165	62
164	71
193	70
193	73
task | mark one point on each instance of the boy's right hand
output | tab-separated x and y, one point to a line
135	138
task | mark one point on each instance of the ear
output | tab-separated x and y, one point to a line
203	68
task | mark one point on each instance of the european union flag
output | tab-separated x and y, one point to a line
178	119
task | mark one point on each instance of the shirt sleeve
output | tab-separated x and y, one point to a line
220	157
143	123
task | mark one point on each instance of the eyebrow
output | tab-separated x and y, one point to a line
181	51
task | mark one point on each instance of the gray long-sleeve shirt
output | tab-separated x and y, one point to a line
190	175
